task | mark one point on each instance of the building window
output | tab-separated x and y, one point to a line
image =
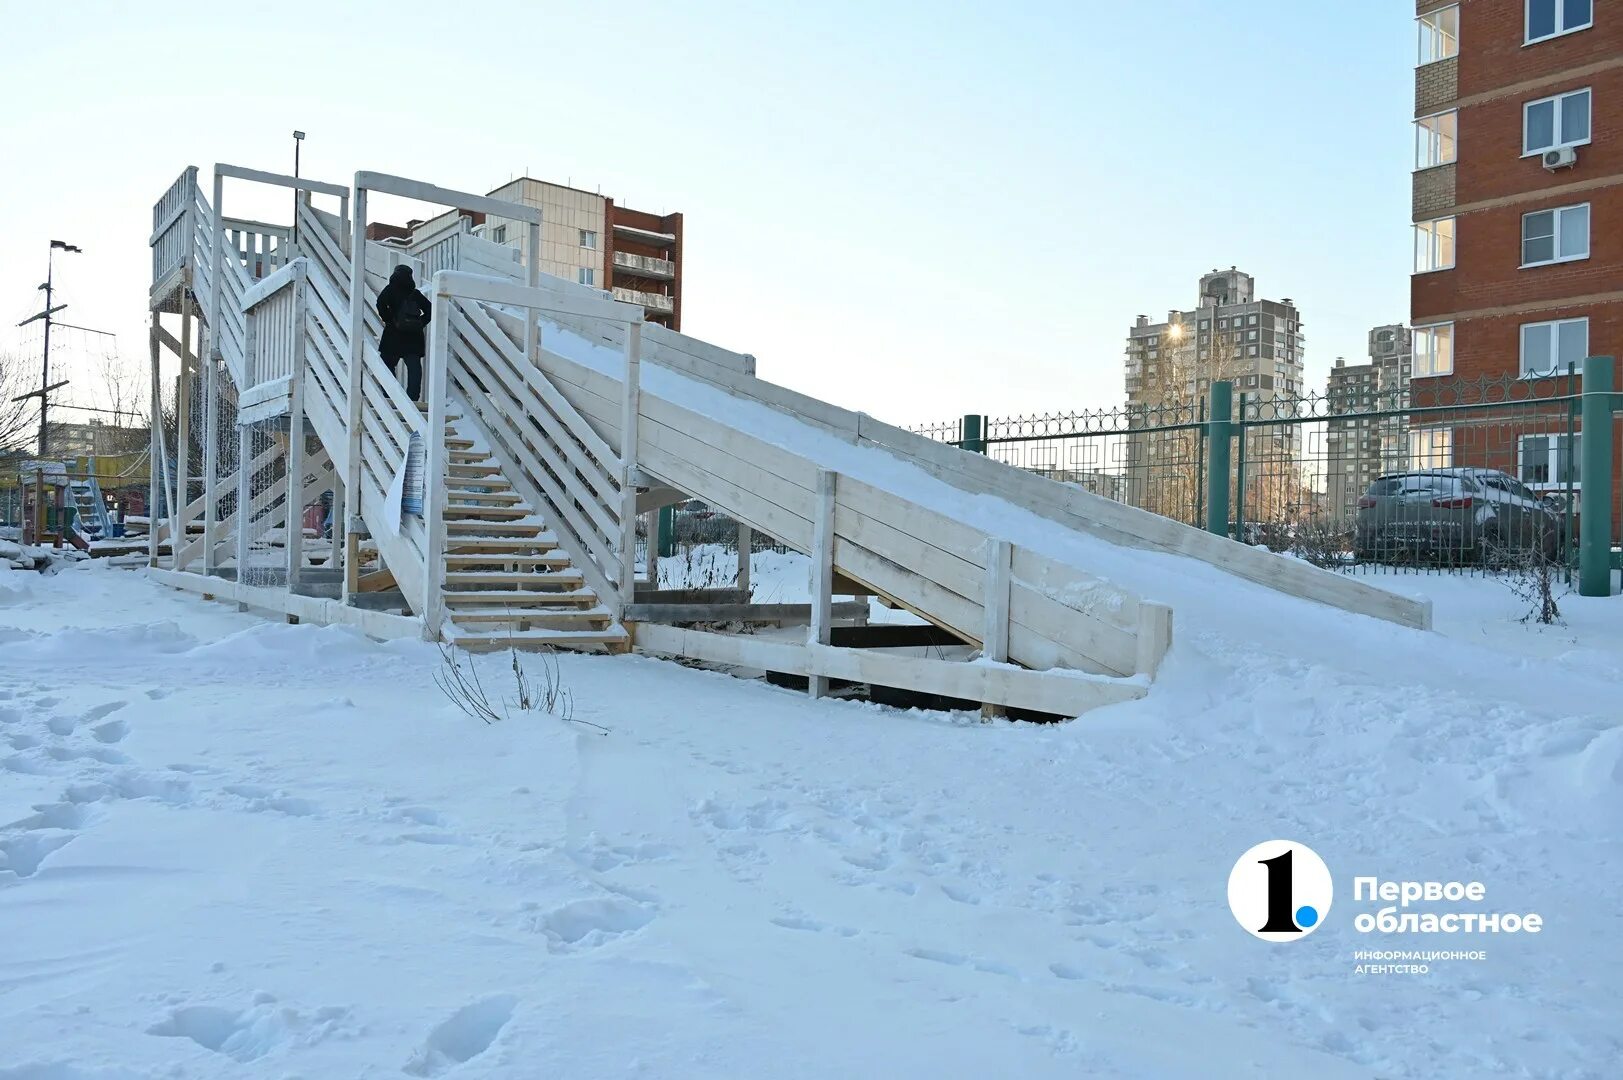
1431	448
586	275
498	234
1552	236
1552	18
1548	347
1434	245
1550	122
588	238
1545	460
1433	350
1439	35
1435	139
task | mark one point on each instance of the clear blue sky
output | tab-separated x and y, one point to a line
915	209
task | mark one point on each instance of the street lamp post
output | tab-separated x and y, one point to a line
298	142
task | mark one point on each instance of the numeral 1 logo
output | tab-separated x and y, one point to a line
1280	891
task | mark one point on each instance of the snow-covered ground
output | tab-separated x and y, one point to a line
235	848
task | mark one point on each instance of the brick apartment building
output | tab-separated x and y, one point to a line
1518	209
587	238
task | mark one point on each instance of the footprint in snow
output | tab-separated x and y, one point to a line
468	1032
590	923
111	732
23	855
101	711
813	926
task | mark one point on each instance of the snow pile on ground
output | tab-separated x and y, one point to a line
234	848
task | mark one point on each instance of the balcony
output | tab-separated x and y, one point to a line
644	266
664	305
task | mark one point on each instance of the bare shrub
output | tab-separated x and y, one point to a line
458	679
1533	576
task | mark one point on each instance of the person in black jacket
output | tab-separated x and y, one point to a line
405	312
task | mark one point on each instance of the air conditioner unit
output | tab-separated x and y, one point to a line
1562	157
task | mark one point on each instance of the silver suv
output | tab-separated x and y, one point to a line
1453	515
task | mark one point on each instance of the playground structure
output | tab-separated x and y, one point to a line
504	510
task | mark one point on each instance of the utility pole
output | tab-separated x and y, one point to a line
45	386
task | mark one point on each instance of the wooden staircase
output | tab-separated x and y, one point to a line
507	581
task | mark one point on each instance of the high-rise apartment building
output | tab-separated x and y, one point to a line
589	239
1353	443
1256	344
1362	437
1518	210
1230	334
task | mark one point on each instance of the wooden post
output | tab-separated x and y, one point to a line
746	541
178	518
434	459
532	278
245	451
650	526
995	610
335	542
1154	637
353	405
630	412
211	404
822	574
154	443
294	538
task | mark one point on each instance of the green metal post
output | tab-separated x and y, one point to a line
1200	462
1569	549
974	433
667	531
1595	522
1239	477
1220	429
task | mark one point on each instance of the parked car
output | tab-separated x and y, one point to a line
1456	515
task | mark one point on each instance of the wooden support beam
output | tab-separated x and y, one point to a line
382	581
749	614
154	448
895	636
995	636
822	574
295	436
183	411
746	542
1062	693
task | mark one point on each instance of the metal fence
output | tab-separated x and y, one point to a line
1457	476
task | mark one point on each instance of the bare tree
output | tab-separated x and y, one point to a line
18	419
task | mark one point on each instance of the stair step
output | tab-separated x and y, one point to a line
494	529
456	443
463	470
541	619
477	578
553	560
463	545
483	639
518	598
462	510
460	456
494	485
467	496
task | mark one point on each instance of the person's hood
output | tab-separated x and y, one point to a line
402	276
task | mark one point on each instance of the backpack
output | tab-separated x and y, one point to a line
408	314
